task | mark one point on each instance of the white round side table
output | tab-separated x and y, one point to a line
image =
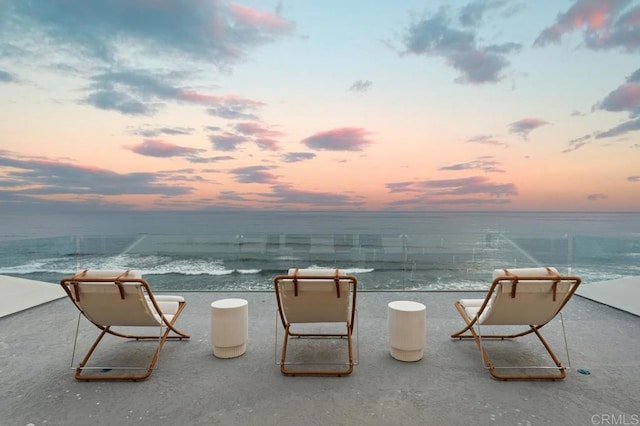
229	327
407	335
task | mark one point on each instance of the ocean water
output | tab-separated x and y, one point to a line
244	250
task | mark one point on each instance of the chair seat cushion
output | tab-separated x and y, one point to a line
168	298
472	306
167	304
471	303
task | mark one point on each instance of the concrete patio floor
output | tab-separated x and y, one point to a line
449	386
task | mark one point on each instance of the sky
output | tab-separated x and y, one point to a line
495	105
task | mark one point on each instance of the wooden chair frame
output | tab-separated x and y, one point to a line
473	323
298	282
127	286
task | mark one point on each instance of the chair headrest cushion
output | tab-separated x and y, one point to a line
105	273
524	272
315	272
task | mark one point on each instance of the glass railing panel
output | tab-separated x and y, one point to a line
248	262
41	259
601	258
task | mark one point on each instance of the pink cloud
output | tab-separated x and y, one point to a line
606	24
254	174
256	129
597	197
156	148
268	144
624	98
254	18
264	137
592	14
200	98
341	139
235	107
478	185
485	163
234	100
485	139
525	126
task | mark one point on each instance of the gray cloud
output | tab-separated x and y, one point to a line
156	148
425	202
597	197
633	178
294	157
467	190
227	142
621	129
472	14
105	40
409	186
175	131
437	36
119	101
255	129
235	108
267	144
286	194
486	140
361	86
254	174
525	126
132	92
625	98
261	135
578	143
471	185
6	77
605	24
232	196
341	139
143	92
216	32
40	177
246	132
485	163
215	159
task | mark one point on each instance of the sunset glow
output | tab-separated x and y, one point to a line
193	104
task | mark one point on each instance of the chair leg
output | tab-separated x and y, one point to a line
295	372
104	377
485	356
283	357
549	376
179	335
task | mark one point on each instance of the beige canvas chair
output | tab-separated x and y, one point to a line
122	299
310	298
518	297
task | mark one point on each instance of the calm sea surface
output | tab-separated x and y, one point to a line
386	250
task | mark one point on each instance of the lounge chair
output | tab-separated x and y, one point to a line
122	299
518	297
308	301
